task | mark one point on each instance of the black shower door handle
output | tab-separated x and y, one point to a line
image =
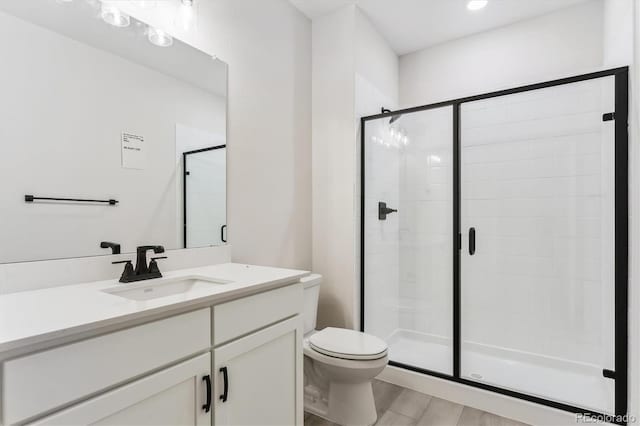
222	233
472	241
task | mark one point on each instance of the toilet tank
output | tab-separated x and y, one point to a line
311	294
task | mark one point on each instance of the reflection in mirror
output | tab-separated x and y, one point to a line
204	189
95	112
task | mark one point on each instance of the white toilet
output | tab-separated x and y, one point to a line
339	365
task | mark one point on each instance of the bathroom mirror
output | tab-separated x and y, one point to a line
99	116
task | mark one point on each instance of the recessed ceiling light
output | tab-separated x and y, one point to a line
159	37
113	16
477	4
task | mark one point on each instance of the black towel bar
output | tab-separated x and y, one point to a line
32	198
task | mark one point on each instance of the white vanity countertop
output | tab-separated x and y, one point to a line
32	317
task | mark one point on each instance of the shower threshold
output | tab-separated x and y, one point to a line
561	380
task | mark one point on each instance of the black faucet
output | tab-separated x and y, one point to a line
142	271
115	247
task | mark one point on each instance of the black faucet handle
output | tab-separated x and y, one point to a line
153	266
128	270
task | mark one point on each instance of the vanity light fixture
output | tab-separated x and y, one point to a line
187	2
159	37
113	16
477	4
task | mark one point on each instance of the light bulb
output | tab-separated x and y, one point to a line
159	37
185	15
113	16
477	4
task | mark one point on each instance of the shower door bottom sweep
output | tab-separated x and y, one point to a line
494	240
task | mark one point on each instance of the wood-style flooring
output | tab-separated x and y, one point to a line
398	406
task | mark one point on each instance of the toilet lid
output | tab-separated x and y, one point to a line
348	344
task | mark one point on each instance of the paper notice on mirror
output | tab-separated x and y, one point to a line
133	151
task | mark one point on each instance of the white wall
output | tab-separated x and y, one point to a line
268	48
618	33
333	163
62	129
376	86
355	73
564	43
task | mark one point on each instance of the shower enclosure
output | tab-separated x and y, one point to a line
494	240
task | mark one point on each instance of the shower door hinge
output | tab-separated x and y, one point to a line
609	116
609	374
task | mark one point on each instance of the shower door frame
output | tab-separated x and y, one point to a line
621	285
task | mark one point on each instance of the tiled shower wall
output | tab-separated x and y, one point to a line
382	166
426	222
537	184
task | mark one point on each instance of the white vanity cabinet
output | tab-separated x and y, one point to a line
257	378
239	362
178	395
37	384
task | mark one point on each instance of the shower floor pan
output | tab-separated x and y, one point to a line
565	381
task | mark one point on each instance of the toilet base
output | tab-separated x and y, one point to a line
352	404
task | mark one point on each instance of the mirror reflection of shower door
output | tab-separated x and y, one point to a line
205	207
408	254
537	296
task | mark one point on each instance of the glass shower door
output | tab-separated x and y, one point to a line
537	257
408	236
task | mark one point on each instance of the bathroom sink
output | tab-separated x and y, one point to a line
155	290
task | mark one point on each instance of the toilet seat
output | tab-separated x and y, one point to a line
348	344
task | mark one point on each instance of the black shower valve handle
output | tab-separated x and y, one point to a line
383	210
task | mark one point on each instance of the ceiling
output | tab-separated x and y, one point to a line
410	25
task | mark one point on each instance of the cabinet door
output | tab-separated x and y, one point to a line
258	378
174	396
